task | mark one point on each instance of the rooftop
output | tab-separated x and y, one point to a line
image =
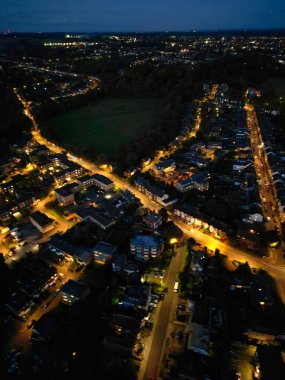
147	240
84	178
41	218
102	179
105	248
74	288
152	217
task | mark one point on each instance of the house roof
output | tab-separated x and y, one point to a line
152	217
18	300
81	253
92	213
41	218
63	191
105	248
75	288
147	240
196	178
84	178
102	179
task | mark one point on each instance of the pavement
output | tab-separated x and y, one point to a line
153	353
262	167
234	253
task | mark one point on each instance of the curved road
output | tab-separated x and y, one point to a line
233	253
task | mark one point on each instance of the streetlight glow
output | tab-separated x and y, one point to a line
173	241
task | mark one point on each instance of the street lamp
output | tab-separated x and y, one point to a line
173	241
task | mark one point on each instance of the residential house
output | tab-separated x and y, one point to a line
65	196
215	145
81	255
154	193
131	268
123	335
124	323
72	171
86	181
191	215
104	252
145	247
199	339
42	222
199	181
240	165
260	291
137	297
198	260
152	220
25	200
90	214
119	263
39	281
165	166
103	182
248	239
36	277
73	291
20	304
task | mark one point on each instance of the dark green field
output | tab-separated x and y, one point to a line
106	124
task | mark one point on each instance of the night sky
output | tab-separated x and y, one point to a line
139	15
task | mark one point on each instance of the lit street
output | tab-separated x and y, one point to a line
153	353
142	193
276	271
262	168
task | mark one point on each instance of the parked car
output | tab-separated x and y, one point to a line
31	323
140	350
46	305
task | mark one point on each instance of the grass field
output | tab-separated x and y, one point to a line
106	124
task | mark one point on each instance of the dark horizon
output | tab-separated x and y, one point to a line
195	31
126	15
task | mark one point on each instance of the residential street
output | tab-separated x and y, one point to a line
153	354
